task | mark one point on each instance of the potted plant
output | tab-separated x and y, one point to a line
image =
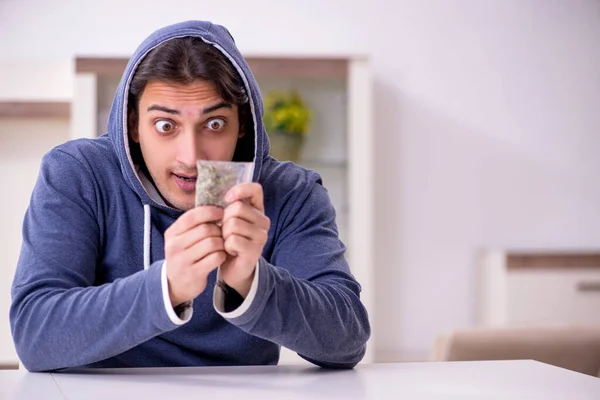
287	121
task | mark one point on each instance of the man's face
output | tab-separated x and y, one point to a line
177	125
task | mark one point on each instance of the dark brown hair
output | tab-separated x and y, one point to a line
187	60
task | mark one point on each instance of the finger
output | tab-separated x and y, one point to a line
198	233
176	244
193	218
240	210
203	248
236	226
236	245
209	263
253	192
247	213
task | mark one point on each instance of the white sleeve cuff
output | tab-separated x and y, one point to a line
219	297
188	310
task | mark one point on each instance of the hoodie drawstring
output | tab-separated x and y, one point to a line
146	236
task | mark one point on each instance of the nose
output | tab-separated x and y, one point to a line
188	151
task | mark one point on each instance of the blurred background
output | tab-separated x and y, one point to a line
458	140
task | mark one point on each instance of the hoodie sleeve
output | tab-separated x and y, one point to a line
306	298
58	318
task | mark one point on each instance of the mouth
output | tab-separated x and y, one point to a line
186	178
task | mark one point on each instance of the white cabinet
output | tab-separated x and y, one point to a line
539	289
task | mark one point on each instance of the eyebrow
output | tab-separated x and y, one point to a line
207	110
215	107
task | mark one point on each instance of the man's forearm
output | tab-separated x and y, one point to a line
322	320
57	328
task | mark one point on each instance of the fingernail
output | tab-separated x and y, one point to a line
229	197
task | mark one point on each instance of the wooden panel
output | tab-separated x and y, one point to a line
552	260
101	66
298	67
35	109
260	67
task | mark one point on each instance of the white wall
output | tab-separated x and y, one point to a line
486	123
496	126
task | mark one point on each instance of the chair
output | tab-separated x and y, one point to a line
576	348
9	364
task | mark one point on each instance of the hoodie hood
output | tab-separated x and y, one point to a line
219	37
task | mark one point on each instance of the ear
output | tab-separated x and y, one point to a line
132	126
241	134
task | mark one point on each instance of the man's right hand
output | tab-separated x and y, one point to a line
193	248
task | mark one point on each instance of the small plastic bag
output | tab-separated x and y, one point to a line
216	178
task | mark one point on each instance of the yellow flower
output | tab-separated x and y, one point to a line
286	112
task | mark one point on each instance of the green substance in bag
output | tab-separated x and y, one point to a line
213	183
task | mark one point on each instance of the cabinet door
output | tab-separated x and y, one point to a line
553	297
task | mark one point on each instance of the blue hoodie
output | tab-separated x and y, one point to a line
89	288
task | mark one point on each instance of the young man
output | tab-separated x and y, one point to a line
119	268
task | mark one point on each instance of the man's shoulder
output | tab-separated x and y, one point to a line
94	154
293	194
287	176
288	186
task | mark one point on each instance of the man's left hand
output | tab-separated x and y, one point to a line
245	231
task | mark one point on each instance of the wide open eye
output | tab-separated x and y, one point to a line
216	124
163	126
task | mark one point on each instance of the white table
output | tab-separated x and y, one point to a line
455	380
